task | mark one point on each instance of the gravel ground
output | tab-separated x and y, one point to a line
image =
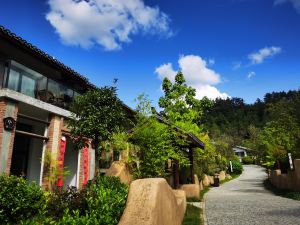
244	201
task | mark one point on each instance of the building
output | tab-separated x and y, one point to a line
241	151
35	93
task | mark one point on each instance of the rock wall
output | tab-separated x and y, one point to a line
152	202
192	190
209	180
289	181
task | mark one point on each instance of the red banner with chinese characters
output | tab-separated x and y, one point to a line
85	165
61	160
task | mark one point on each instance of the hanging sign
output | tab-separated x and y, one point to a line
85	165
61	160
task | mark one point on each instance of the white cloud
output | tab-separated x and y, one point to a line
295	3
251	74
197	75
166	70
105	22
259	56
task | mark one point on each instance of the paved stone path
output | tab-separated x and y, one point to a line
244	201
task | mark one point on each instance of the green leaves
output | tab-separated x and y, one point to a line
18	199
97	114
157	143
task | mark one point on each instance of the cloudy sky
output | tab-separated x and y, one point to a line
225	48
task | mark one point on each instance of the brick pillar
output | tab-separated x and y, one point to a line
52	148
7	109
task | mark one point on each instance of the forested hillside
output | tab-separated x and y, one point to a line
270	126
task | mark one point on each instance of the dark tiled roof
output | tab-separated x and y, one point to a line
43	56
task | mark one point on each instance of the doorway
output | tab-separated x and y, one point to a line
19	162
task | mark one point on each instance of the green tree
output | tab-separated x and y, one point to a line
185	111
96	115
179	103
155	142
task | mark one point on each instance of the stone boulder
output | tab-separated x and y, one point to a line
152	202
191	190
211	180
222	175
205	181
121	170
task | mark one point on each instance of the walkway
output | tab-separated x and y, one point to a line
244	201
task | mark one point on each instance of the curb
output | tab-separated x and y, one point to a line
203	211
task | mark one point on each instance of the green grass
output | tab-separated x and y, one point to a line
233	176
283	193
202	193
193	199
192	216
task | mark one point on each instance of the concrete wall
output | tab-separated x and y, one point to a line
152	202
71	164
289	181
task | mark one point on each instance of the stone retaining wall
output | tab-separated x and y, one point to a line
209	180
289	181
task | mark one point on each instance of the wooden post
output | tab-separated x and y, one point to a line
191	152
176	174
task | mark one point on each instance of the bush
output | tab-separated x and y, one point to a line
18	199
248	160
237	167
106	199
102	201
70	199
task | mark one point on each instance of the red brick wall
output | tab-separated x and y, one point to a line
2	115
12	138
3	106
50	146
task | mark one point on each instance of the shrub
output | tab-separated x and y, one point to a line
70	199
237	167
106	200
102	201
18	199
248	160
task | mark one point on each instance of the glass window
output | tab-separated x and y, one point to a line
28	86
34	84
67	95
31	82
53	91
13	79
59	94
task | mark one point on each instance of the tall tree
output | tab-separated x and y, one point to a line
180	105
96	115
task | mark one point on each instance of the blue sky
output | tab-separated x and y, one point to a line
237	48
